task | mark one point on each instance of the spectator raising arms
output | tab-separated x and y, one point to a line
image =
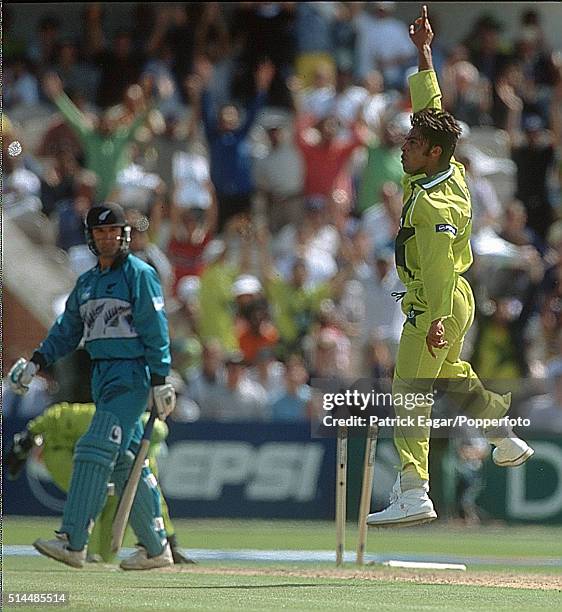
105	149
325	155
193	215
229	149
279	176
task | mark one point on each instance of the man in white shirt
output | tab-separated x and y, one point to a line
280	176
237	399
383	43
311	238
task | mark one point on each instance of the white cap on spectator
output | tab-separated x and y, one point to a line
188	289
246	284
213	250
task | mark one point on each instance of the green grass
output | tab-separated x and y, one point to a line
284	587
319	535
103	589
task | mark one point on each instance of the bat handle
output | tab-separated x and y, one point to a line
150	423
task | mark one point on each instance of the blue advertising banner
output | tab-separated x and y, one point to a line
212	469
272	470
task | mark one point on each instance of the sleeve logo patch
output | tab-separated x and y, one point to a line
158	302
446	227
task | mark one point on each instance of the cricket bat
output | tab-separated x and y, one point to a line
126	502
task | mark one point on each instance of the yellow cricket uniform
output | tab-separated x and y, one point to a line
432	252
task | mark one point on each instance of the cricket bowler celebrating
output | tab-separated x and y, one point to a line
117	309
432	253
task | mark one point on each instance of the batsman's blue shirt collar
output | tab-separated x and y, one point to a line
119	261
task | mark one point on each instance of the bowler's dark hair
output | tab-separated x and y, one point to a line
438	128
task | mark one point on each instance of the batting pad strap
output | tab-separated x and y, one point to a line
121	471
100	444
159	523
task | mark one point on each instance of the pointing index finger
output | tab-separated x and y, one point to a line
424	12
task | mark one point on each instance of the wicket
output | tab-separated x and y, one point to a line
341	492
366	492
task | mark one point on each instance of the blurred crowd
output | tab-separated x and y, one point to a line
256	149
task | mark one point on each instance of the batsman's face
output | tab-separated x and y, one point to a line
415	153
107	239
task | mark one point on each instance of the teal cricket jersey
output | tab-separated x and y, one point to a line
119	313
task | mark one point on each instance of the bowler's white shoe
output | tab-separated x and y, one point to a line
58	550
141	561
511	452
407	508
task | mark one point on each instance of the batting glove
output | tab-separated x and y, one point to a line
164	398
21	374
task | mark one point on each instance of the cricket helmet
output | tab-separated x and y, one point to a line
107	214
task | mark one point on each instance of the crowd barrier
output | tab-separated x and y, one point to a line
271	470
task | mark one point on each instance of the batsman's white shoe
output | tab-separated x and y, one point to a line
58	550
407	508
511	452
141	561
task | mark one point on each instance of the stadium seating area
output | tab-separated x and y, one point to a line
278	260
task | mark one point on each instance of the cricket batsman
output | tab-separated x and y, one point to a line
117	310
432	254
57	432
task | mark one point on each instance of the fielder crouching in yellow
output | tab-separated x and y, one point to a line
432	252
57	431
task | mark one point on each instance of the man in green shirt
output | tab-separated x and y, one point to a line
215	297
294	303
106	150
432	252
383	164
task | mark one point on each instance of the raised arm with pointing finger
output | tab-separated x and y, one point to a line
432	254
